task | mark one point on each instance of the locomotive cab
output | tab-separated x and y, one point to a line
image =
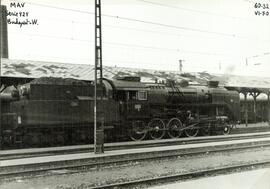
132	97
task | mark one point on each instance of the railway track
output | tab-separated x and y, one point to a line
39	152
184	176
23	171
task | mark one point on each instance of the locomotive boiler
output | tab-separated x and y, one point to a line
57	111
179	108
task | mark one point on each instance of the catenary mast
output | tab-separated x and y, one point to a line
98	117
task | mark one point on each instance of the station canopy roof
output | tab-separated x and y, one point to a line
34	69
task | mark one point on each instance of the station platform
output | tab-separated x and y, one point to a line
251	127
239	130
115	155
255	179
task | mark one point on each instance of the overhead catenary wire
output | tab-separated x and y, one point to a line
155	31
121	45
250	1
142	47
191	10
147	22
106	43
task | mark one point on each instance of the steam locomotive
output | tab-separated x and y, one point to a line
57	111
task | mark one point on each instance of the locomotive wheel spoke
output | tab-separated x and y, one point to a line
191	132
156	128
138	131
174	127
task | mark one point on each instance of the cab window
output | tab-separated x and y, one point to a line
132	95
142	95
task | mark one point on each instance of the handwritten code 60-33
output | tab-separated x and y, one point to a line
261	9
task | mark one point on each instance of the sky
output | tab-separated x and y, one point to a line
216	36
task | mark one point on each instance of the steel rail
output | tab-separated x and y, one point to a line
184	176
84	167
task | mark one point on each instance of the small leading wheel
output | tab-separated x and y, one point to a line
174	127
191	132
226	130
138	130
156	128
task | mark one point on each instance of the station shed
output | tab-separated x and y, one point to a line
16	72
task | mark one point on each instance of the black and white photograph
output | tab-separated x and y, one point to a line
158	94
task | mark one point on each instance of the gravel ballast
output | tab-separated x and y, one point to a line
137	170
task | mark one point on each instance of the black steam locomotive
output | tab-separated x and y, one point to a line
56	111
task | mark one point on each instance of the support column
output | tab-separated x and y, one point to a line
255	95
98	110
246	108
262	111
1	50
3	32
0	112
268	107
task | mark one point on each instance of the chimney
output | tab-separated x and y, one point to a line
4	32
181	65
